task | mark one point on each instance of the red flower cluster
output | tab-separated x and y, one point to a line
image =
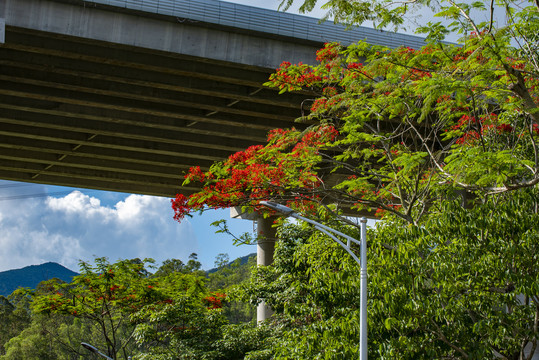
329	91
303	77
463	122
416	74
195	174
260	172
180	205
319	105
504	128
469	138
329	52
355	65
215	301
405	50
475	128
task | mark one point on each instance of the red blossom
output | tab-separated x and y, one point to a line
329	91
249	176
504	128
195	174
329	52
319	105
180	206
355	65
215	301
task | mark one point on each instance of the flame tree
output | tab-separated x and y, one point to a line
390	131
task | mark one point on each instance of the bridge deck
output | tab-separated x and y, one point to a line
112	98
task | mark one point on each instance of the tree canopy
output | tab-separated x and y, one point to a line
463	285
389	130
126	311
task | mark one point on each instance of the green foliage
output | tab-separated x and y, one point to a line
181	329
225	280
125	310
314	294
170	266
14	318
31	345
463	284
201	322
245	341
105	295
52	337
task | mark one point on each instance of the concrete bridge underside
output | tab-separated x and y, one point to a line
106	115
90	114
96	95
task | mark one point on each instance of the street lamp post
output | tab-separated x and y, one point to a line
362	261
95	350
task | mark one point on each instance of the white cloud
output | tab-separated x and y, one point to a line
76	226
78	203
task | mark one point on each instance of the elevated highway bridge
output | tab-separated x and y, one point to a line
126	95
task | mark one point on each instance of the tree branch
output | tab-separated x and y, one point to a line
442	337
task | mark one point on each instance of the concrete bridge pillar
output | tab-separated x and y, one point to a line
264	256
266	238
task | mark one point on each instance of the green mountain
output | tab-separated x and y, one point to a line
243	260
32	275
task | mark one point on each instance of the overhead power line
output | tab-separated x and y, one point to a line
37	195
12	185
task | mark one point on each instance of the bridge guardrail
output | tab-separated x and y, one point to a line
266	21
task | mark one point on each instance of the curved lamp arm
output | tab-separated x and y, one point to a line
362	261
95	350
285	210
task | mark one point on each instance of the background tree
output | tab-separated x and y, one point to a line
225	279
171	314
14	317
52	337
45	336
170	266
105	295
195	321
181	326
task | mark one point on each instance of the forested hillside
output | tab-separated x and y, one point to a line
30	276
127	308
